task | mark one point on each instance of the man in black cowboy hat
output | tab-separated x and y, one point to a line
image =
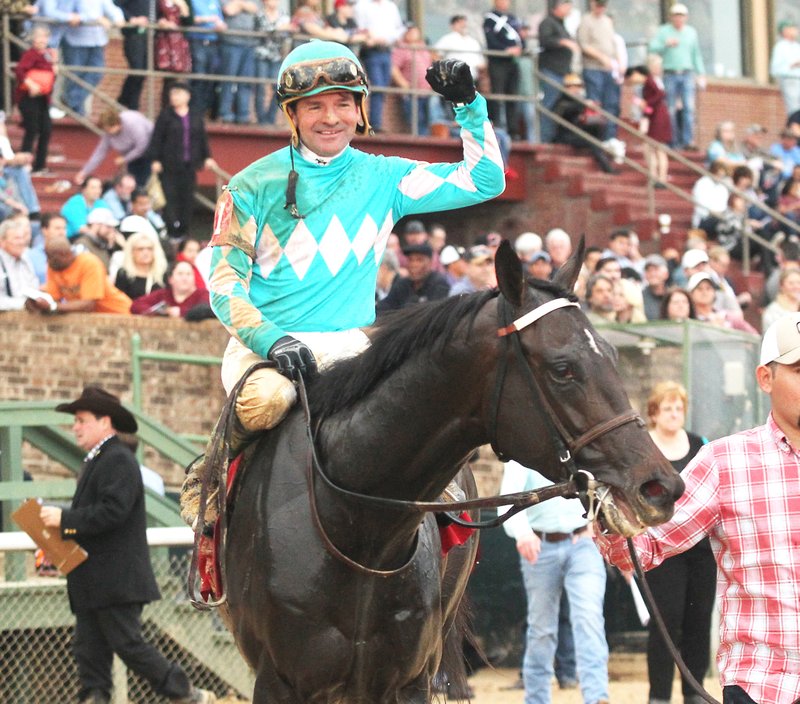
107	592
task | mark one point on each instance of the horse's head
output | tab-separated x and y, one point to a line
556	374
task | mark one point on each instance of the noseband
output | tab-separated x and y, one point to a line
567	445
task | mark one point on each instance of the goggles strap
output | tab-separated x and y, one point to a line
291	189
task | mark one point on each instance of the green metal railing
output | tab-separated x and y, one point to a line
138	356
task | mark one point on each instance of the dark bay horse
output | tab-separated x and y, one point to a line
339	602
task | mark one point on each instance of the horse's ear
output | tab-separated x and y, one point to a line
508	269
567	274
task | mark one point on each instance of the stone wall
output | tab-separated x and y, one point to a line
52	358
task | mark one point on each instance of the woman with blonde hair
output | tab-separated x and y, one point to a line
143	266
683	586
788	299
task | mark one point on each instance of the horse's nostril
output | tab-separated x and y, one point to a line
654	491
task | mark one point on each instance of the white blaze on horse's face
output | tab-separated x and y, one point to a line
592	342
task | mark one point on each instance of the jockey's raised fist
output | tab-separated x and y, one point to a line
452	79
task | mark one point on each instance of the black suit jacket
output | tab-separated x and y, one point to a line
108	520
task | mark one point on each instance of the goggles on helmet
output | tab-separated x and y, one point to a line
302	78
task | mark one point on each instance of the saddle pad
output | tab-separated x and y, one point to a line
208	549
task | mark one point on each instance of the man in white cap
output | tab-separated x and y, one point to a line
678	45
742	491
101	237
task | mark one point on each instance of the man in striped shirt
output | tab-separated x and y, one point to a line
743	491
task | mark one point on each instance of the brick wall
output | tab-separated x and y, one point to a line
53	358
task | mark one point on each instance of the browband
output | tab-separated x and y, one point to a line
534	315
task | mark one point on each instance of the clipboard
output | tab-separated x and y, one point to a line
66	555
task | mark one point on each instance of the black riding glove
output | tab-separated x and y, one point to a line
293	358
451	79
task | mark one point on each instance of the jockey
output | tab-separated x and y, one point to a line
299	234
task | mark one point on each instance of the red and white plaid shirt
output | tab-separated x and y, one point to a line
743	491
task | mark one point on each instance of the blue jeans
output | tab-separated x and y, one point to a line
23	185
91	56
236	61
577	568
681	85
266	69
565	652
205	59
550	96
603	89
378	64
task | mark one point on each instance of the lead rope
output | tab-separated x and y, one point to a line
656	614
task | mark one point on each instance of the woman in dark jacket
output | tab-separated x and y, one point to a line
179	149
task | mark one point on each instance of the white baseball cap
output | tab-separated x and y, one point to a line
679	9
450	254
697	278
781	341
102	216
692	257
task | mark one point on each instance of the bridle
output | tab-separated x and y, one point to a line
567	444
578	483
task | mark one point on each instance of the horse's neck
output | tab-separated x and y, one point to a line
410	436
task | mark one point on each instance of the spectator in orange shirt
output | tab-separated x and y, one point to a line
410	60
78	283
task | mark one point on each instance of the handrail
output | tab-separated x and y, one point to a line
222	175
672	153
138	356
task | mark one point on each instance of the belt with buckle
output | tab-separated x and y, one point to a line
558	537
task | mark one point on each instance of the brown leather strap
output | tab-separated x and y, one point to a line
590	436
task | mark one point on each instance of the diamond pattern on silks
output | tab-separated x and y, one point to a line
300	249
333	247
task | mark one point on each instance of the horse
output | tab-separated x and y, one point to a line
334	600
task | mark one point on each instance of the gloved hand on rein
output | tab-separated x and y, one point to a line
293	358
451	79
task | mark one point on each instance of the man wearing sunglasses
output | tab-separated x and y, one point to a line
299	234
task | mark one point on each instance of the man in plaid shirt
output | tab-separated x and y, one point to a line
743	491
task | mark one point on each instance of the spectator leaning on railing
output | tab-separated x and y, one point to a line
238	59
85	45
134	43
273	24
16	271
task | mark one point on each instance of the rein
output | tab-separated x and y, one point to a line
662	627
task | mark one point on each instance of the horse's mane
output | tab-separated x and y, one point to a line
395	337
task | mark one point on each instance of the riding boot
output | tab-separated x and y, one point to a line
202	470
261	404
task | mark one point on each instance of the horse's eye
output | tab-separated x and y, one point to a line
563	371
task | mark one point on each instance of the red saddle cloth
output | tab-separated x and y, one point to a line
208	549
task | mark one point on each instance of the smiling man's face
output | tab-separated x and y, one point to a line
327	122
